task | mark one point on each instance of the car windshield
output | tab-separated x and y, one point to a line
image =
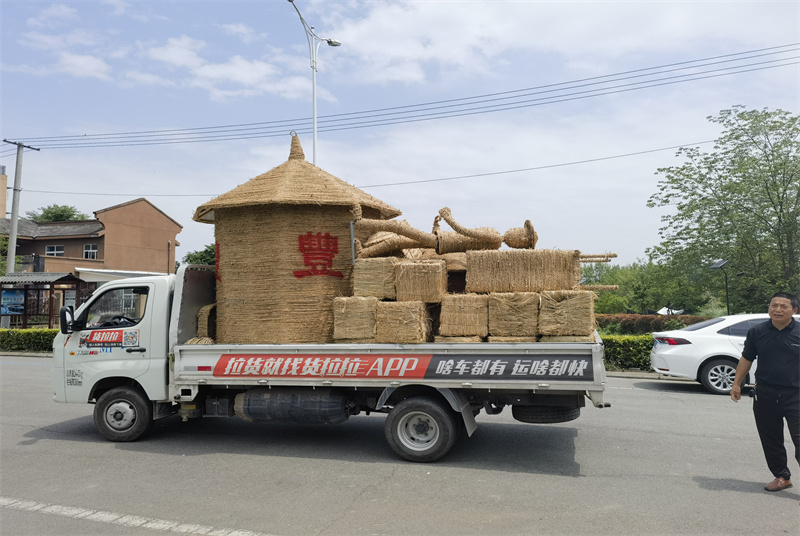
703	324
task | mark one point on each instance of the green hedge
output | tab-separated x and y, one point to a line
30	340
628	351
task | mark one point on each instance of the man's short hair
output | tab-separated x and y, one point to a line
791	297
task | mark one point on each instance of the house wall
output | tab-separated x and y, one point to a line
73	247
139	237
68	264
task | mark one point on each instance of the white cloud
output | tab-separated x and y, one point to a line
243	32
52	16
123	9
148	79
180	52
83	66
77	37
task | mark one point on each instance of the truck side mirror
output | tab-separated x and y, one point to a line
66	315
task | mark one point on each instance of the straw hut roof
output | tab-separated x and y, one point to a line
295	182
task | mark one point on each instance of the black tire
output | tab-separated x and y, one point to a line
420	429
545	414
717	376
123	414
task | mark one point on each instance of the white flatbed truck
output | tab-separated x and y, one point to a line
124	350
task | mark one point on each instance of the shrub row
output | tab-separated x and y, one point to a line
642	324
29	340
628	351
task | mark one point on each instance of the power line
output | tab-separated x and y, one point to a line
438	109
423	181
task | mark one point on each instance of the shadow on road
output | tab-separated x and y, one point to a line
743	486
525	448
678	387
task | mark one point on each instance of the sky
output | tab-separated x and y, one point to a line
504	111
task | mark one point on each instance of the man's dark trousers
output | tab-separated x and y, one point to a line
771	405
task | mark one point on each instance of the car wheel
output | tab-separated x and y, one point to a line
123	414
717	376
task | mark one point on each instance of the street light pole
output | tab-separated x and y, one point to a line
314	41
720	265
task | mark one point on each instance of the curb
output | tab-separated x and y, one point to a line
642	375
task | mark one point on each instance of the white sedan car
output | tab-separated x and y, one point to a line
707	352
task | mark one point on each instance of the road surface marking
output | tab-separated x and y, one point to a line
124	520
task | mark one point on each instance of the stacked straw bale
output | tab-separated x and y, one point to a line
422	281
354	319
512	339
402	323
456	262
522	270
464	315
566	312
375	277
442	339
514	314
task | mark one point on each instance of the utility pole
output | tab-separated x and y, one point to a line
12	234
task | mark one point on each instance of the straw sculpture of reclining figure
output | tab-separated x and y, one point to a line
389	237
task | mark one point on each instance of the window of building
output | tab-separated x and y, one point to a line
54	251
90	251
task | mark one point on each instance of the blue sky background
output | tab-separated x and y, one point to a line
102	67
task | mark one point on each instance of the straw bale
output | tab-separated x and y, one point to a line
375	277
424	281
354	317
207	321
356	341
567	338
514	314
266	292
200	340
566	312
402	323
456	262
512	339
522	270
440	338
464	315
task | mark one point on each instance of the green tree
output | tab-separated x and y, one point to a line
740	202
52	213
204	256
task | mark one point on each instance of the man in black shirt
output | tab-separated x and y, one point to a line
777	392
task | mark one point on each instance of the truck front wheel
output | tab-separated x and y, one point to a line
123	414
421	429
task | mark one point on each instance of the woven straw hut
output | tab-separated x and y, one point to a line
284	251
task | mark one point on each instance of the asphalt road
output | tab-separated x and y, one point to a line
666	458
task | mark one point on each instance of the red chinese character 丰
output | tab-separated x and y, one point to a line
318	251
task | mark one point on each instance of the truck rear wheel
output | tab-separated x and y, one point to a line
123	414
420	429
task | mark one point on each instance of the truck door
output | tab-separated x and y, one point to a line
112	339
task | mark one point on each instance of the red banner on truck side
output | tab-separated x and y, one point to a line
321	366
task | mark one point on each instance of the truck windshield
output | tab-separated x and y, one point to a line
119	307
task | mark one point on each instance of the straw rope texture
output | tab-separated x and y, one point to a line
451	340
402	323
512	339
514	314
375	277
423	281
567	338
567	312
522	270
456	262
259	297
354	318
207	321
464	315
